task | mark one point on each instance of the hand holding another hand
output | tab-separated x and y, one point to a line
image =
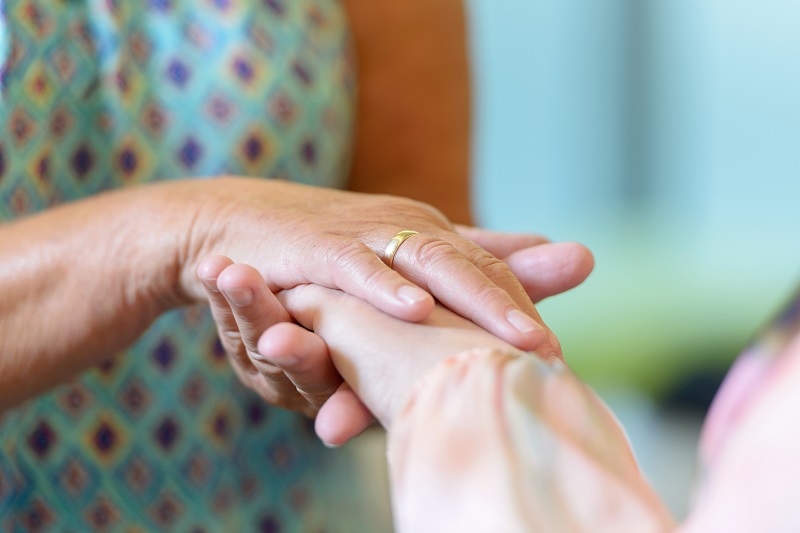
298	372
297	235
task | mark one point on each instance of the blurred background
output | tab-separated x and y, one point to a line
664	135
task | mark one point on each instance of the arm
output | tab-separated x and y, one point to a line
82	281
78	283
413	121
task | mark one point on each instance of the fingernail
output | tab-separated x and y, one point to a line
257	358
211	283
239	296
522	322
411	294
282	362
331	446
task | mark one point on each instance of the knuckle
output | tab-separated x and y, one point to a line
277	390
489	297
231	335
491	294
427	211
499	273
346	259
350	266
494	268
348	252
438	217
235	347
377	278
486	261
233	343
433	252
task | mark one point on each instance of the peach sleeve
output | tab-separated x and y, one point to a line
502	441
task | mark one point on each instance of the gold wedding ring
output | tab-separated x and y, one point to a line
394	245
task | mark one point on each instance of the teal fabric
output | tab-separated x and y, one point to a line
106	94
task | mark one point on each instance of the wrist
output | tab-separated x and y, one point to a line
97	270
196	216
238	217
191	220
449	368
157	246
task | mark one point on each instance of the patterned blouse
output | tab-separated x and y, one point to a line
96	95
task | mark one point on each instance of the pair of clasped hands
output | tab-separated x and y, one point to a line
347	343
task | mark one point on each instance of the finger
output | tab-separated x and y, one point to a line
307	302
343	415
342	418
435	265
502	309
209	271
499	243
254	307
501	275
354	268
303	356
498	272
367	365
550	269
379	356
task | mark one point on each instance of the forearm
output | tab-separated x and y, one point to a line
80	282
413	120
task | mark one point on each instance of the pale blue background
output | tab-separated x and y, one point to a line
665	135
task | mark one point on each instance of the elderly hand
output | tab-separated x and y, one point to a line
310	378
295	234
543	268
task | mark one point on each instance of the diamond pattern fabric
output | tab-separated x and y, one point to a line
101	95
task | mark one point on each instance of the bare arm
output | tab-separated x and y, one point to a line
82	281
413	129
79	282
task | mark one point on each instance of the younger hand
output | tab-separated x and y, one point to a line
379	356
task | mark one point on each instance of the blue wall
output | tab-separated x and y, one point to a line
664	135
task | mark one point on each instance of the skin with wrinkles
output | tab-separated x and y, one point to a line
304	358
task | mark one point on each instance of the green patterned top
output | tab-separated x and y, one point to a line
96	95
